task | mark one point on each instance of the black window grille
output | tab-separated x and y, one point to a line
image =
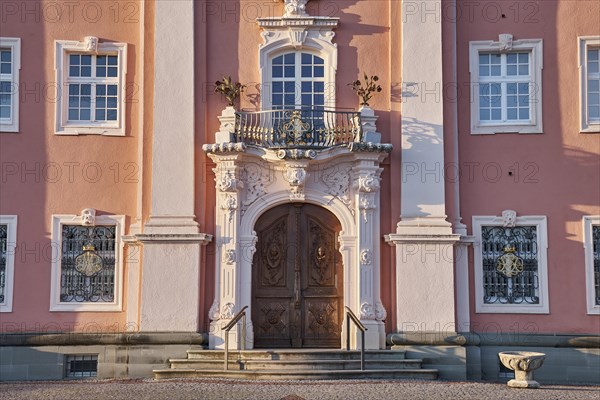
522	287
596	258
91	284
82	366
3	240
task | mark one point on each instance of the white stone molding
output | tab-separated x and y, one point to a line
11	244
366	257
588	223
55	276
586	124
269	176
380	313
61	65
228	311
214	314
14	45
540	223
227	128
366	311
294	8
298	33
230	256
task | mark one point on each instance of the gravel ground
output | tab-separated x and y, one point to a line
222	389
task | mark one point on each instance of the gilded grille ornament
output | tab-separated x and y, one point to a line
509	264
296	130
88	263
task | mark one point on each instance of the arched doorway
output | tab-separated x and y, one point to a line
297	278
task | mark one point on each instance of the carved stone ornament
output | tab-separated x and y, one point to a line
366	203
505	41
91	44
230	257
227	311
380	313
229	205
214	313
255	178
295	175
509	218
88	216
368	183
228	183
294	8
297	37
366	311
337	183
366	258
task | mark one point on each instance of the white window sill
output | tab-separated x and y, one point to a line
86	307
595	128
91	130
512	309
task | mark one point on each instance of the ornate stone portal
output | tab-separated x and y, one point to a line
251	180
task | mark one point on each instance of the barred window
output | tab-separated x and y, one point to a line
88	264
510	265
3	253
596	256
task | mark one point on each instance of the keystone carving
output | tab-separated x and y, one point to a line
506	41
88	216
509	218
295	175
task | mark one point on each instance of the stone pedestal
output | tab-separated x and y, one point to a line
523	363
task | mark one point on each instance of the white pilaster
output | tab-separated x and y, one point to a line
422	200
171	243
172	209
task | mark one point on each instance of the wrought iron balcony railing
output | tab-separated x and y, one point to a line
306	128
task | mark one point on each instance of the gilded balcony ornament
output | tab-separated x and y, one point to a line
509	264
88	263
296	131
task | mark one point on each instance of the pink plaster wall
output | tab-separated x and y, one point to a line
562	178
35	197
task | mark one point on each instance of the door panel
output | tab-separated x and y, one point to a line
297	278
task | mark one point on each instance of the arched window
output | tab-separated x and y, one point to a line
297	81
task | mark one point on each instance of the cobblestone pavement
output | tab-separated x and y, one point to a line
221	389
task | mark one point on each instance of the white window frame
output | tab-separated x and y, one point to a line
11	244
588	223
14	44
57	222
586	42
540	223
61	61
535	48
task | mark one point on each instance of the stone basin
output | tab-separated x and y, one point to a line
523	363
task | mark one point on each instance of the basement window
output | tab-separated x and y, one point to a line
82	366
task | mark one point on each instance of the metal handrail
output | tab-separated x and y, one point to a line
241	314
351	316
302	128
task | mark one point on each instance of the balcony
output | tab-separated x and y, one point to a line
306	128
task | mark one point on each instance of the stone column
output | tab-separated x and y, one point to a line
171	241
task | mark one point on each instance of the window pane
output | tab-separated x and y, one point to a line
5	56
495	70
74	59
484	115
511	101
290	99
4	112
5	99
86	60
278	60
112	72
484	58
86	71
101	60
111	115
277	72
289	87
112	60
306	71
319	72
593	67
495	58
484	71
496	114
84	115
306	58
594	112
511	70
73	115
277	87
6	87
306	99
594	99
73	71
319	87
318	60
512	113
277	99
101	72
112	90
511	58
73	89
86	89
523	113
593	54
594	85
306	87
319	100
290	58
290	72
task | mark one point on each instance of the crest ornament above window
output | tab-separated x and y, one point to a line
509	263
88	216
506	42
294	8
509	218
91	44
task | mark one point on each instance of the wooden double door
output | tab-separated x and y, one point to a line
297	278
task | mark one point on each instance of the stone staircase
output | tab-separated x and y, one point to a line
296	364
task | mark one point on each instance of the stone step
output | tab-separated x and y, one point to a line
286	354
328	364
424	374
